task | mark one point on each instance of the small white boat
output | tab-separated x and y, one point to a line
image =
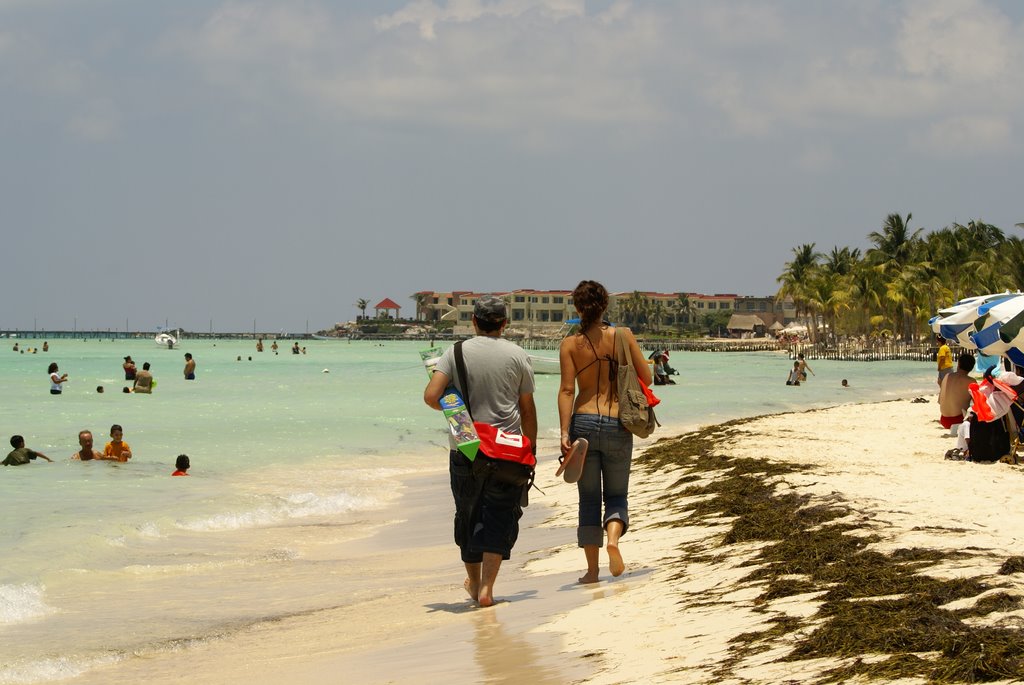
166	340
544	364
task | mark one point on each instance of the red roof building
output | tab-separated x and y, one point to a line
387	304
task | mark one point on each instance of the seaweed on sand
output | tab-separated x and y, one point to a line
872	603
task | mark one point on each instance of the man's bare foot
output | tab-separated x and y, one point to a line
589	577
615	564
485	598
470	589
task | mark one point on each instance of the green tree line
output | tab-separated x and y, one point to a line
901	280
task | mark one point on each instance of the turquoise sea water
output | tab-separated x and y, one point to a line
277	445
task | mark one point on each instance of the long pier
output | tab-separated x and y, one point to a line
17	334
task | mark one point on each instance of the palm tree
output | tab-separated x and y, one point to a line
638	306
797	277
658	311
361	305
422	304
896	247
1013	262
682	307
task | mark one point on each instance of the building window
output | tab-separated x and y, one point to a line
712	305
556	316
764	306
544	300
465	316
544	316
557	300
533	299
700	305
750	306
519	298
518	314
725	305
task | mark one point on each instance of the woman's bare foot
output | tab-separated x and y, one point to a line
471	589
615	564
589	577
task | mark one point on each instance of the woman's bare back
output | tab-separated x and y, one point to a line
590	361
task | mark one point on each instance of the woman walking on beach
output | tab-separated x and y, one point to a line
588	407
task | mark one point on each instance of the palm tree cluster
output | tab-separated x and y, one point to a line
640	313
898	283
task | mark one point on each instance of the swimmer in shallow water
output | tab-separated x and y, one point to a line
181	465
21	454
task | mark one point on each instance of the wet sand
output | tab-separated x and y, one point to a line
671	617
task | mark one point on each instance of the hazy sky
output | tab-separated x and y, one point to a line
188	161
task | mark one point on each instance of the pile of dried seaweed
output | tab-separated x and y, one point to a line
873	605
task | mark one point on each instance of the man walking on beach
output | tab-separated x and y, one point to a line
487	511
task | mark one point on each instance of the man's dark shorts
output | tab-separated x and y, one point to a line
486	513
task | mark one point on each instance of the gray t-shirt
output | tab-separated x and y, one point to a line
499	372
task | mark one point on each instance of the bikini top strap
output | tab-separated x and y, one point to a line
613	363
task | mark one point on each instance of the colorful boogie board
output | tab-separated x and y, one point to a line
459	421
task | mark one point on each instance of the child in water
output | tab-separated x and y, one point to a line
794	375
117	448
21	454
181	465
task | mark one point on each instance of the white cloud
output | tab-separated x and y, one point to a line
515	65
965	136
425	14
956	39
534	67
97	120
816	157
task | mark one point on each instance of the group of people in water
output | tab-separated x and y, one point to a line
32	350
142	380
273	346
117	449
798	374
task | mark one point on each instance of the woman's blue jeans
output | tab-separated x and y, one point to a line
605	478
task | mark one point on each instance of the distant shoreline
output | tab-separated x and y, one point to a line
878	351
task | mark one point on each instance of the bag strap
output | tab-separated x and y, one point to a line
460	368
622	350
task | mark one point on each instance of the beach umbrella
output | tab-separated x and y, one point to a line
1001	329
1011	338
965	317
957	307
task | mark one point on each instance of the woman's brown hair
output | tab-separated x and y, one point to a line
591	300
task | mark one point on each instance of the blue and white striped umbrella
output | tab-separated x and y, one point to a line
965	318
1004	333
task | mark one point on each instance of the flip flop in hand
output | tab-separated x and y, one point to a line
570	467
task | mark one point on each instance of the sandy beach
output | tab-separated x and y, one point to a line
767	550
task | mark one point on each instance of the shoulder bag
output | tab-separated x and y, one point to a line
635	411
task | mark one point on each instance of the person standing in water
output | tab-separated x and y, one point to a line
129	368
143	380
56	379
190	367
588	407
